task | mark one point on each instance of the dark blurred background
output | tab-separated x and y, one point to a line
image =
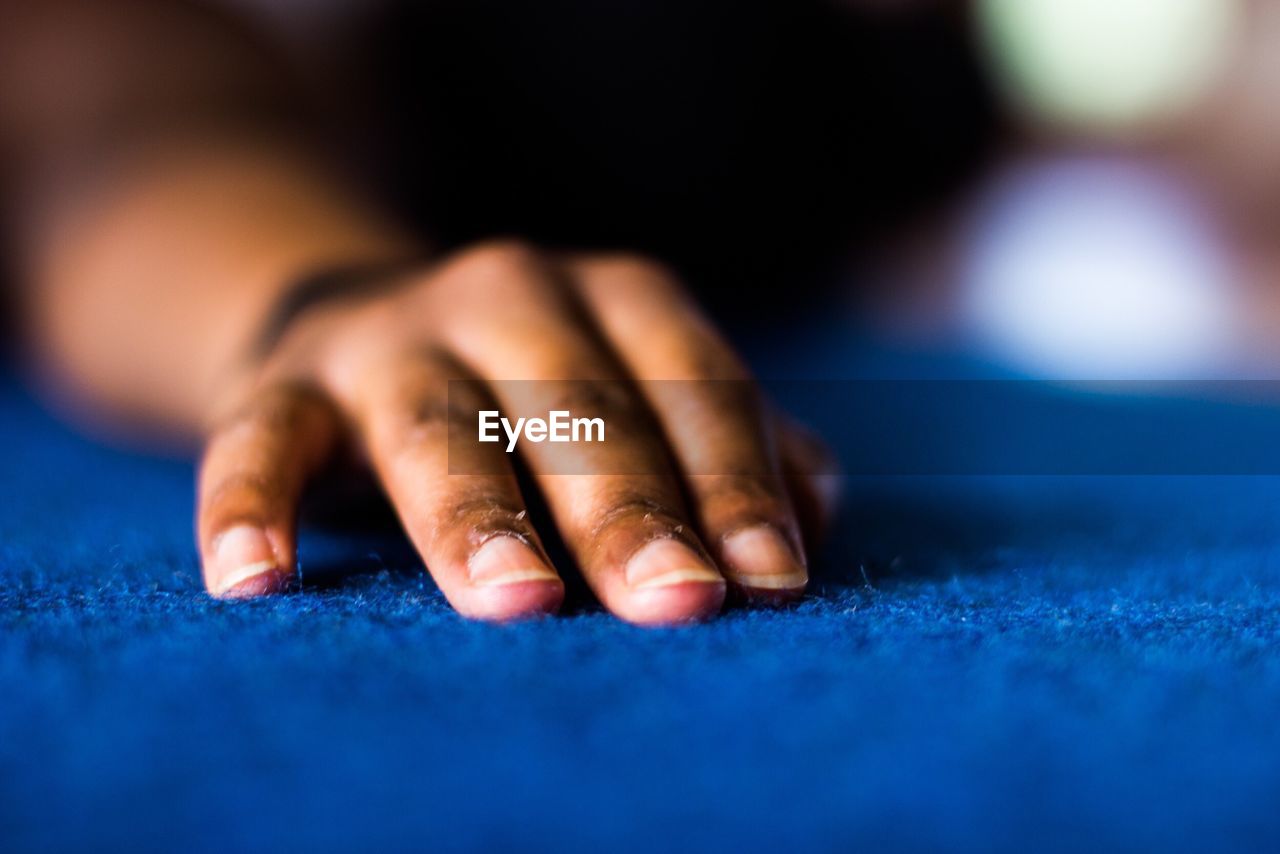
1085	189
750	143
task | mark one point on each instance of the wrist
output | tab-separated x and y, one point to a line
152	289
324	286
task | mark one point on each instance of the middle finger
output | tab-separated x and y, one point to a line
618	503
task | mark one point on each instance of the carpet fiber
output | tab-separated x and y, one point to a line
1002	664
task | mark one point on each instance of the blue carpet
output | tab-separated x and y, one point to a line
998	664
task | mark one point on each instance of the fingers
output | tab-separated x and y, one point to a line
517	325
471	529
713	417
542	342
254	468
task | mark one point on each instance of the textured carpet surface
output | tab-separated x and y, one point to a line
1007	664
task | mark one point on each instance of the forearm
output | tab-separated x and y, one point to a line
166	193
148	293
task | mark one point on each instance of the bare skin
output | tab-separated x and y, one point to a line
150	284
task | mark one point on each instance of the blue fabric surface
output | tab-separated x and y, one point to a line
1001	664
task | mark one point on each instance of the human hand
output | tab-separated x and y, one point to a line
690	494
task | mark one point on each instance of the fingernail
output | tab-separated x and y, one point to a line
507	560
244	564
665	562
759	557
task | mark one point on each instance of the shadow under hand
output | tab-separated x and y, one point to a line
350	536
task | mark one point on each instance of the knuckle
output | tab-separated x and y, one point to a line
426	420
261	416
242	491
610	398
635	511
499	259
498	279
278	409
485	515
735	498
632	424
728	414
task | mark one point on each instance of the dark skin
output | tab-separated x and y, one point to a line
152	262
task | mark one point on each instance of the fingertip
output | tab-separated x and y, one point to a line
252	581
762	567
243	564
669	583
519	600
508	580
677	604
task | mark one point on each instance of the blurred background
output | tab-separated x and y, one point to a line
1123	223
1084	189
1070	189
